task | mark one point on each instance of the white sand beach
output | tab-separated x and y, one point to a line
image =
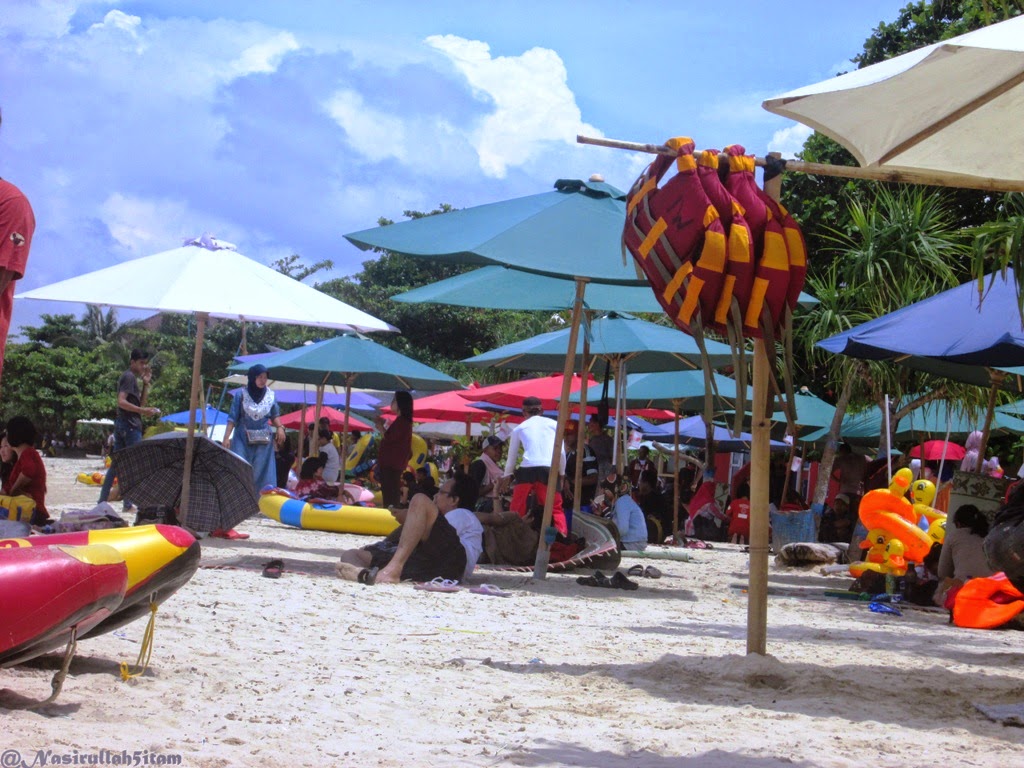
308	670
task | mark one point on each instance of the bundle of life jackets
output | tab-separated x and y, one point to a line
719	254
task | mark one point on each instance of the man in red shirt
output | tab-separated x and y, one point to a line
17	224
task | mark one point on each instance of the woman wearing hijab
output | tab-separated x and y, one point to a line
395	449
254	426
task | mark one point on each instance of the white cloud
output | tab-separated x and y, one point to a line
372	133
531	102
145	226
790	140
38	18
265	55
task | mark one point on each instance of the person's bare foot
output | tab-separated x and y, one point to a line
387	576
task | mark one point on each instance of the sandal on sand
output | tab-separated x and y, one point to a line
490	589
636	570
368	576
619	581
273	569
439	585
650	572
597	580
229	534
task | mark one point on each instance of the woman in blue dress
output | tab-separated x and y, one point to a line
254	426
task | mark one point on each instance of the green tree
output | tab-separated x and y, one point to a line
55	386
902	248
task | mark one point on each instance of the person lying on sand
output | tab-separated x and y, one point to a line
425	546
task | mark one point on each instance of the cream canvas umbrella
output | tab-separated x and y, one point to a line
950	110
207	278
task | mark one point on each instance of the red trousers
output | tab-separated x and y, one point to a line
520	491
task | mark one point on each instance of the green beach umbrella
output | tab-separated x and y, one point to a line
618	337
351	361
666	389
573	231
503	287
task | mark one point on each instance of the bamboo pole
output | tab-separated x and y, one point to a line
581	434
197	359
757	591
842	171
540	565
344	430
997	381
675	470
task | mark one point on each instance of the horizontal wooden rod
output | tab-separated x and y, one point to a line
929	178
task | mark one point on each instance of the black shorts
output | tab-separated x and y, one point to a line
441	555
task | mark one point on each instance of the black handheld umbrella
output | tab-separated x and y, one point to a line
221	494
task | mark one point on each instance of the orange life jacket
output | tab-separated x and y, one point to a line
987	603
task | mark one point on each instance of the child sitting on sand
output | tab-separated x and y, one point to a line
310	476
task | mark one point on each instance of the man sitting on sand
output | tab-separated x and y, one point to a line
425	546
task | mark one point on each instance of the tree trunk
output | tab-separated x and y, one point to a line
825	467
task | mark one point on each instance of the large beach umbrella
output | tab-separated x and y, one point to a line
512	393
622	340
207	278
504	287
338	421
351	361
680	390
574	231
618	337
692	431
960	326
950	110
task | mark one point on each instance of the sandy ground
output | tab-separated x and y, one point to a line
309	670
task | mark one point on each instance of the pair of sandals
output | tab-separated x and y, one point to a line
618	580
650	572
448	585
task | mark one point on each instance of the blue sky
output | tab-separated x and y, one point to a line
281	126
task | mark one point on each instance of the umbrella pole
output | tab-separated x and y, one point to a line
314	445
186	477
997	380
675	469
577	481
540	565
302	429
344	429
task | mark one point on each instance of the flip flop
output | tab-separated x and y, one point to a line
650	572
439	585
597	580
368	576
273	569
636	570
619	581
490	589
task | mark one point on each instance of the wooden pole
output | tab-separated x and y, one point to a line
581	435
540	565
757	590
675	469
344	429
997	381
842	171
186	477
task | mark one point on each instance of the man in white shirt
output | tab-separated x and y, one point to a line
471	533
536	437
332	464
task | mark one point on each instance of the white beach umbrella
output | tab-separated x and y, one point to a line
207	278
952	110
